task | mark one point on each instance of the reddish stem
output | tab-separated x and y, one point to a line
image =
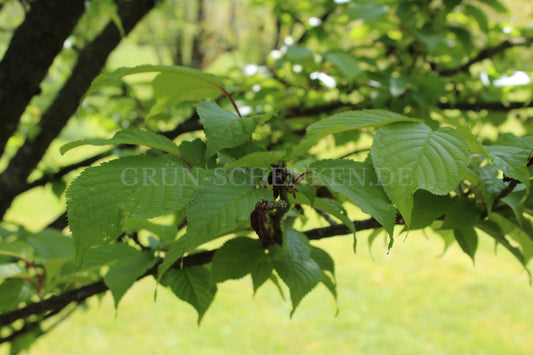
39	275
234	104
37	287
184	160
231	99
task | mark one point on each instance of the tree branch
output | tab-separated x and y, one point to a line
78	295
489	106
486	53
90	63
189	125
333	107
33	47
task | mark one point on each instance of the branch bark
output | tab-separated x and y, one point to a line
33	47
90	63
333	107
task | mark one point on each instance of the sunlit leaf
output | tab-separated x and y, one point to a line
221	206
193	285
225	129
182	83
236	258
344	121
102	198
411	156
359	183
129	136
295	266
467	239
123	274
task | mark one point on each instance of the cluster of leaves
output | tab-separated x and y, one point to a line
414	175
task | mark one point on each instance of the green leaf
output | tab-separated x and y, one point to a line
462	213
187	85
240	151
129	136
463	35
17	248
106	255
358	182
11	269
295	266
347	64
257	160
515	201
331	207
14	292
327	265
366	12
261	273
165	233
323	259
494	230
51	244
430	41
236	258
427	207
192	285
123	274
490	184
194	152
512	161
58	187
446	235
308	191
427	90
478	15
102	198
512	140
467	239
298	54
519	230
344	121
222	206
181	83
449	5
225	129
527	203
465	130
497	5
410	156
108	9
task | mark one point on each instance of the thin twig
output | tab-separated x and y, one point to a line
487	53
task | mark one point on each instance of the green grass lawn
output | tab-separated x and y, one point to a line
408	302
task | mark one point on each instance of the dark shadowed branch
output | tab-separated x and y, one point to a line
89	64
33	47
486	53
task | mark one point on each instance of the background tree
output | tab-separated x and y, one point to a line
449	63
